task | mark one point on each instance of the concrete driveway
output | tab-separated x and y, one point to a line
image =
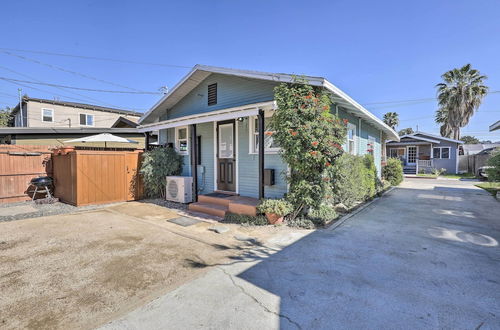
425	256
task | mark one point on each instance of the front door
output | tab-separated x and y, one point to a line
226	178
412	155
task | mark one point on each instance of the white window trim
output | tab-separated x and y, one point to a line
351	126
177	140
252	148
441	152
86	114
52	116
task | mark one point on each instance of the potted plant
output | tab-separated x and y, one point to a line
275	210
65	149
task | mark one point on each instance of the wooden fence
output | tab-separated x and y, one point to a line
84	177
18	165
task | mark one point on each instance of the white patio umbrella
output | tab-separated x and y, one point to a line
103	137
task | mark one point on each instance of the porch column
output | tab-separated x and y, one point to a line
146	142
261	153
194	161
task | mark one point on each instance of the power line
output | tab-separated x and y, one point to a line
71	92
67	71
99	58
78	88
416	100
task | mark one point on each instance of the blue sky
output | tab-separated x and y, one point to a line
376	51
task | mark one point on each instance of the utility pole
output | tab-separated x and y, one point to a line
19	90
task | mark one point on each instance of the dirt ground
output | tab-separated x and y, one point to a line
84	269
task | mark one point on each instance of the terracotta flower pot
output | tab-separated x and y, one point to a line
65	150
274	219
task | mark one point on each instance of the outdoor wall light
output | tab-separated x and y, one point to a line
241	119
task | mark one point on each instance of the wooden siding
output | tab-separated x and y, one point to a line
231	92
97	177
17	170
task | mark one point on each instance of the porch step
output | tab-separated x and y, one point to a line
219	204
209	208
410	170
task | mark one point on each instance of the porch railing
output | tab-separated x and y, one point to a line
424	162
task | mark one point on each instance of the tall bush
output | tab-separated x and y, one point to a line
354	179
494	171
157	164
393	171
310	138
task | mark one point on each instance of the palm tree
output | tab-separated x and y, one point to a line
391	119
459	96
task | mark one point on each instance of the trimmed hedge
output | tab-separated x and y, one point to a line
354	179
393	171
494	172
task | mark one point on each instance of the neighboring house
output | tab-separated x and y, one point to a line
495	126
50	113
50	122
472	149
212	114
423	152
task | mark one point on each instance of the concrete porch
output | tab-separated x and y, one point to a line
218	204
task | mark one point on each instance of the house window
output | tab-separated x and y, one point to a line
441	152
397	153
212	94
181	140
269	145
351	138
48	115
86	119
371	145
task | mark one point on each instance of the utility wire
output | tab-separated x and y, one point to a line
68	71
416	100
71	92
98	58
79	88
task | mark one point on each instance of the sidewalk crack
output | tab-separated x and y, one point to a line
242	289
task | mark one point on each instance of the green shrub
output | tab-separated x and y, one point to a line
310	137
245	219
323	212
276	206
494	172
393	171
157	164
369	177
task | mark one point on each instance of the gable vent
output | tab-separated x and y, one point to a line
212	94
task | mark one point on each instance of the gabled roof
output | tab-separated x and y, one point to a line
122	122
64	130
78	105
437	137
200	72
411	136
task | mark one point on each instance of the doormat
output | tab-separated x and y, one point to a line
184	221
218	195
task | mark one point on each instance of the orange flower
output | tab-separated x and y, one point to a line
345	121
326	179
325	107
269	133
327	164
315	143
307	96
314	153
294	133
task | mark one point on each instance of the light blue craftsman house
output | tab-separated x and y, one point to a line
212	117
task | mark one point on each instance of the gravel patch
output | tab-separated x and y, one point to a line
165	203
43	210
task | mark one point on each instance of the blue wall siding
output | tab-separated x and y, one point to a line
206	180
362	138
249	168
231	92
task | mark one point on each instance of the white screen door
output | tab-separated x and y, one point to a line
226	137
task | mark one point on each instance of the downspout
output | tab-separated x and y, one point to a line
194	162
261	153
359	136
